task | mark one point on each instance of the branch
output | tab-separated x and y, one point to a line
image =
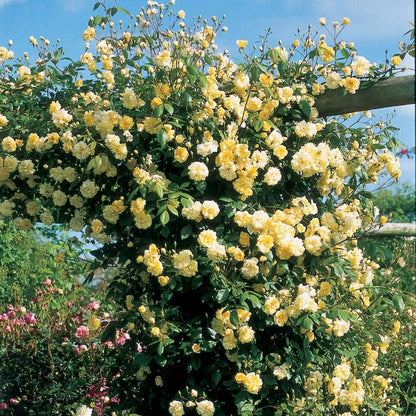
390	92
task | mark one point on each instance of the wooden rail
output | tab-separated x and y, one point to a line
390	92
391	229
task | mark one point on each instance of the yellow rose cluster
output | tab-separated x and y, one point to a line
231	207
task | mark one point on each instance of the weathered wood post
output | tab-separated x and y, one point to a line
390	92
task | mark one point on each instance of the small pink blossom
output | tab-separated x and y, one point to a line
47	282
81	349
122	337
109	344
30	318
94	306
82	332
3	406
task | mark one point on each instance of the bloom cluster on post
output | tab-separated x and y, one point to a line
230	205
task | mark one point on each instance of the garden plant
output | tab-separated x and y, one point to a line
231	210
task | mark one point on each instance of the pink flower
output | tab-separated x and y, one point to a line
82	332
47	282
109	344
3	406
122	337
14	401
81	349
94	305
30	318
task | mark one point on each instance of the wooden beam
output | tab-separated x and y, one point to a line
390	92
392	229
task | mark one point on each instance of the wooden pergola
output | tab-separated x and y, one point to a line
391	92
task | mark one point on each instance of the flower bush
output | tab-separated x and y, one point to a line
51	355
231	207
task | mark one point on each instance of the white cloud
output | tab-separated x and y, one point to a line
73	5
4	2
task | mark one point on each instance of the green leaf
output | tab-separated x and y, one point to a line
58	53
192	70
222	295
186	202
338	270
398	303
216	376
345	53
169	108
186	231
187	98
162	138
96	20
203	81
258	125
123	10
160	348
255	301
164	218
306	323
234	318
158	111
159	190
304	106
282	67
173	210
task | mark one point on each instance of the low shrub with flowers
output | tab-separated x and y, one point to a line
51	354
230	206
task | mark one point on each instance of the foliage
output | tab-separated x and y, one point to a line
231	208
398	204
27	258
50	349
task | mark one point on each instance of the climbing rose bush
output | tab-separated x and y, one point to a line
231	207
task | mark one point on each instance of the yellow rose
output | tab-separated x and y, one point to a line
94	323
198	171
155	331
89	34
181	154
242	43
396	60
163	280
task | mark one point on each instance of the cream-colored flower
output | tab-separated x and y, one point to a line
207	238
176	408
205	408
360	66
272	176
198	171
89	189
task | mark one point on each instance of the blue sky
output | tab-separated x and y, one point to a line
376	26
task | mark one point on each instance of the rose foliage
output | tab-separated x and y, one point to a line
231	208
